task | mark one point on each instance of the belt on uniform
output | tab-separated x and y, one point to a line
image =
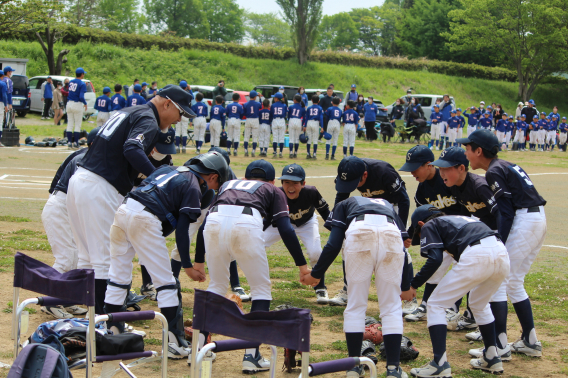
362	217
479	241
55	192
145	208
534	209
246	210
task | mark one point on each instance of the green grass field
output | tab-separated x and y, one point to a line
107	65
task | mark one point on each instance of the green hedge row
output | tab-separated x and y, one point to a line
75	34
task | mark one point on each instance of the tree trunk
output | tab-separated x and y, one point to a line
59	65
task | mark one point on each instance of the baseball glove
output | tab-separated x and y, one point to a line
370	320
290	354
374	333
235	298
407	350
368	350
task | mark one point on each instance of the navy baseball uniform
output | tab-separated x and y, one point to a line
477	199
103	106
235	112
313	124
252	127
76	105
296	113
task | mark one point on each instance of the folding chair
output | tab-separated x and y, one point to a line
72	288
190	141
287	328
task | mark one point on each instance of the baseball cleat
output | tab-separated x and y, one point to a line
76	310
504	354
417	315
432	369
462	323
177	149
356	372
396	373
252	364
291	155
333	157
241	293
474	336
235	153
494	365
295	154
175	350
252	154
326	156
314	156
308	156
322	297
209	355
408	307
149	291
183	150
451	315
523	347
58	312
280	155
274	155
340	299
246	153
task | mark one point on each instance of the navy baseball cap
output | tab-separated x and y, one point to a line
459	109
278	95
8	69
165	143
265	166
451	157
106	90
484	138
416	157
223	152
144	84
531	101
137	88
420	215
180	98
183	84
535	116
253	94
349	173
80	71
453	111
563	117
92	134
353	86
293	172
281	87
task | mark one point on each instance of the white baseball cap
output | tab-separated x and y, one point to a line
482	102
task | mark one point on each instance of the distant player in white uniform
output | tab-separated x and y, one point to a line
313	125
235	112
333	114
199	122
278	113
252	126
295	114
350	120
265	119
181	127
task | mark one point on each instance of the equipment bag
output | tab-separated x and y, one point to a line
42	359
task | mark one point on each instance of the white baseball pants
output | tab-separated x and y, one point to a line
233	130
2	115
308	234
541	136
507	137
373	246
264	135
500	136
550	137
349	133
231	235
192	231
470	129
447	262
102	117
215	128
74	115
278	130
92	202
519	136
562	138
480	271
181	127
523	244
136	231
199	127
333	128
252	129
533	134
313	131
452	134
55	221
294	130
435	131
443	127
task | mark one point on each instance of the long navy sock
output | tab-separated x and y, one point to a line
351	149
246	146
176	267
296	146
69	136
254	146
344	277
428	289
281	146
344	150
229	144
321	284
315	148
392	346
184	141
309	146
178	140
234	274
327	147
146	279
274	145
100	292
76	137
525	315
354	343
333	149
438	334
236	145
499	310
488	334
457	305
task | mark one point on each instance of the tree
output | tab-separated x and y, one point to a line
267	28
530	36
183	17
369	25
304	18
121	16
19	14
338	31
83	12
225	20
390	14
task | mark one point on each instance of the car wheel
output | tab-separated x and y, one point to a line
51	113
21	113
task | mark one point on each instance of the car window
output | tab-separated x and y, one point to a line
267	92
290	92
40	82
34	83
229	96
206	93
426	101
340	95
20	82
247	98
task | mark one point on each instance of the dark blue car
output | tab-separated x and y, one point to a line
21	95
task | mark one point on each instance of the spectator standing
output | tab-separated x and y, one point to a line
415	116
360	108
153	90
144	91
304	96
371	110
57	104
47	96
220	90
352	95
130	90
530	111
397	112
64	94
9	85
497	114
325	103
518	110
3	103
407	99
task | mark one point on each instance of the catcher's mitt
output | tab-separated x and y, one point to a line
290	354
235	298
188	329
407	350
374	333
370	320
368	350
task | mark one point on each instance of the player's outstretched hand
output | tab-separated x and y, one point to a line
197	273
407	243
308	280
408	295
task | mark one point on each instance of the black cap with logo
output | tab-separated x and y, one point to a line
416	157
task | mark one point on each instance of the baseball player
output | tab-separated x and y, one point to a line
486	121
233	229
373	235
217	121
481	266
374	179
76	104
6	75
435	128
303	201
533	133
199	122
462	122
278	113
522	227
350	120
453	124
333	114
181	127
169	199
55	221
551	132
251	111
265	117
563	128
103	106
3	103
135	99
446	108
472	119
235	112
542	129
117	101
520	134
313	125
431	190
510	127
501	130
106	174
295	114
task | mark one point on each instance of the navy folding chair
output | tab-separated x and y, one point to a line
76	287
287	329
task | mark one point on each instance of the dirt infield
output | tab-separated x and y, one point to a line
26	172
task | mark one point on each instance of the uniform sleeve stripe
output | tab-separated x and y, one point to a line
282	212
431	244
335	220
190	208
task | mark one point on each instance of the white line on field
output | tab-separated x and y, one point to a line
21	187
45	177
33	169
24	198
555	246
36	151
3	177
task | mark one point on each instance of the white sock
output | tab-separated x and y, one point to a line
532	337
503	339
251	351
491	353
